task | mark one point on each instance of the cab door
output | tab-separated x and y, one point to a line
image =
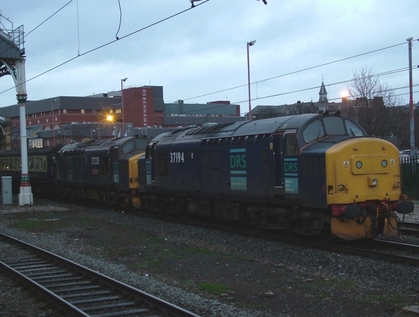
114	163
290	163
278	162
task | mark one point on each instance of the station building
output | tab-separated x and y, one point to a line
134	110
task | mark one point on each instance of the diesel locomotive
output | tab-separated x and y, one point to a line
316	174
102	170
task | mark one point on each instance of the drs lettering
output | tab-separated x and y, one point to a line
237	161
290	167
177	157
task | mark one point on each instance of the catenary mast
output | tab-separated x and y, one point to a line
12	62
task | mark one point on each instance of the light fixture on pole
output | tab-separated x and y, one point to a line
53	122
122	105
411	106
251	43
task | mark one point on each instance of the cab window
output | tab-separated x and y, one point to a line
313	131
291	144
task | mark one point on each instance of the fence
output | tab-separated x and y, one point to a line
409	170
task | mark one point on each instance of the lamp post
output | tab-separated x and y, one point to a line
251	43
53	123
411	107
122	104
344	95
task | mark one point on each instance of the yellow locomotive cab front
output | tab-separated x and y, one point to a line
363	188
133	180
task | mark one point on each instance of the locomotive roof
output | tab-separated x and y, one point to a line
32	151
262	126
103	144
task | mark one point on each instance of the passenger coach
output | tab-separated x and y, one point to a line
41	162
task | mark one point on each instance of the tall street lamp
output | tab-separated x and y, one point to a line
53	122
122	105
248	77
411	107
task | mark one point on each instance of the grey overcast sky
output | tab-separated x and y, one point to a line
199	54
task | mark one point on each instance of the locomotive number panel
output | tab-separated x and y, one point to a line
177	157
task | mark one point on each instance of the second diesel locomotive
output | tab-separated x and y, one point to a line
102	170
317	174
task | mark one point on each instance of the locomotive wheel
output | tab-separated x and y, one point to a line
326	234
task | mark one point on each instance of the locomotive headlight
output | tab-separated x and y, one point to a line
341	187
372	182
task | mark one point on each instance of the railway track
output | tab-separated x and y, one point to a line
409	228
390	251
79	291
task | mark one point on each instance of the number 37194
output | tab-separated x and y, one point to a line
177	157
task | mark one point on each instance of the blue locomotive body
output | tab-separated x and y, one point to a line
274	173
103	170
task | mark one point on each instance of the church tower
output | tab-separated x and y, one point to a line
323	94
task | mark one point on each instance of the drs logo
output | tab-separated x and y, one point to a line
290	167
291	175
238	173
237	161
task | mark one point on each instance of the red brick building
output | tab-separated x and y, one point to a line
139	108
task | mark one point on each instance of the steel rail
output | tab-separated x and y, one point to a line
76	274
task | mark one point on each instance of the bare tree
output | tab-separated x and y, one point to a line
372	101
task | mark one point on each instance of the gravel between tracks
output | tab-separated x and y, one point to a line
209	272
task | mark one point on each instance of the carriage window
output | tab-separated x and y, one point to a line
16	163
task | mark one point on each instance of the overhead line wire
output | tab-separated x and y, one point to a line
49	17
332	84
109	43
299	71
40	24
